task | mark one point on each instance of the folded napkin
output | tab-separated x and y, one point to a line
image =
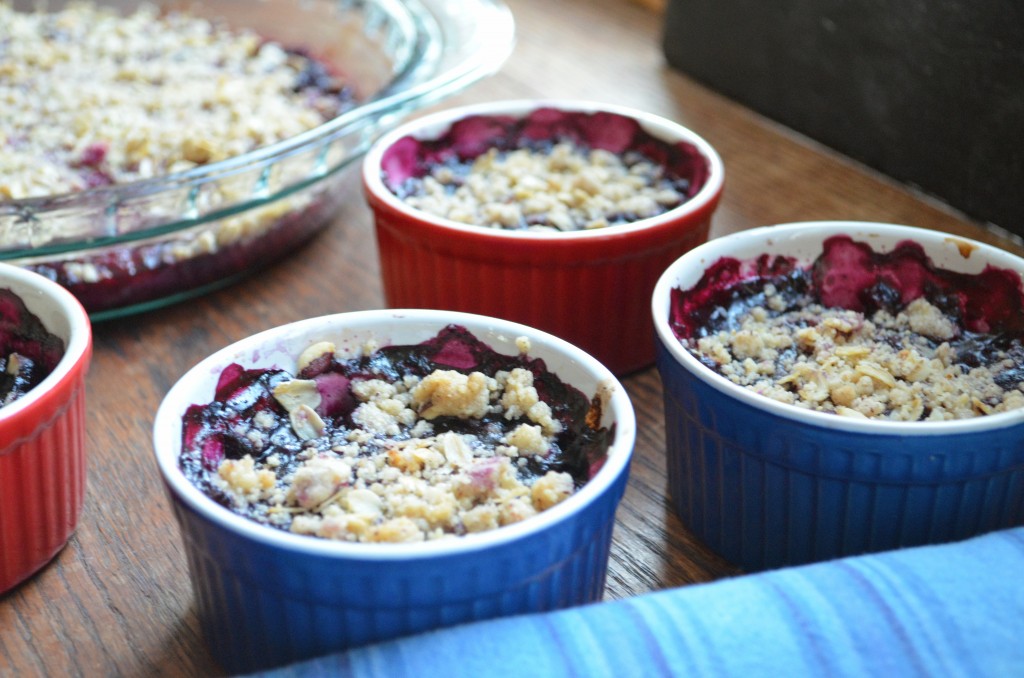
950	610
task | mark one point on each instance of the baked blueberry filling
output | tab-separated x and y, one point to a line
861	333
28	351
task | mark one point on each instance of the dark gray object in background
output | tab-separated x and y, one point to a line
930	92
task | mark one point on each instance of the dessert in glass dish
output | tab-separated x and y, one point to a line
191	144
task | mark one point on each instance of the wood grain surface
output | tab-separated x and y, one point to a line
117	600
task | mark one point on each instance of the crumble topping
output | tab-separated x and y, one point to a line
140	95
136	96
916	364
562	188
412	456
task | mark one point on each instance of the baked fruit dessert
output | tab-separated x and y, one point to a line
134	96
135	105
399	444
28	352
860	333
553	170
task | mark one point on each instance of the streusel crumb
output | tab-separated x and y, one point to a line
563	188
898	367
129	97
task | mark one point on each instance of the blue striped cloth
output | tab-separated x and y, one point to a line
950	610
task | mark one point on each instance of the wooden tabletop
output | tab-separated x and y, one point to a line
117	599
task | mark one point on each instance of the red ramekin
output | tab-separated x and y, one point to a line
42	437
591	288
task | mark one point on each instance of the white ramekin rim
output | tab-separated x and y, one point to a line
62	314
687	270
435	124
167	440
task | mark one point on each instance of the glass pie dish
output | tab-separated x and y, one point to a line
129	247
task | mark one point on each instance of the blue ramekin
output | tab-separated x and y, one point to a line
267	597
766	484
